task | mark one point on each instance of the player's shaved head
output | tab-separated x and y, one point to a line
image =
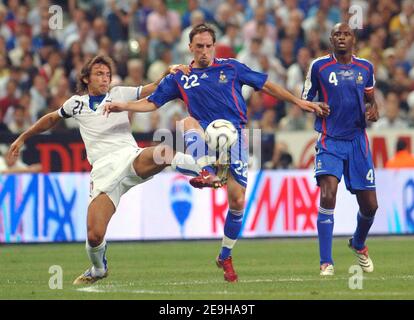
342	26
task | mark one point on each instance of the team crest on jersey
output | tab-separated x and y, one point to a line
204	76
223	77
359	79
95	105
319	165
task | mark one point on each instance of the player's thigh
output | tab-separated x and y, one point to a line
235	194
100	212
360	174
367	201
152	160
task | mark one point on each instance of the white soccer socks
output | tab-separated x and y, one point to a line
185	164
97	257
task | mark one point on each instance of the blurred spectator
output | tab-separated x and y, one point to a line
5	30
402	158
19	121
100	29
38	96
160	65
249	29
9	100
319	23
231	40
77	16
400	24
85	37
287	54
117	15
273	68
392	118
331	10
250	55
23	47
140	11
197	17
135	75
16	165
52	70
164	27
296	73
192	6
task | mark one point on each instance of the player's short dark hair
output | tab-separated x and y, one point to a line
401	145
203	28
87	69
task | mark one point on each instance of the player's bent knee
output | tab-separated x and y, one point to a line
370	211
328	199
95	238
236	203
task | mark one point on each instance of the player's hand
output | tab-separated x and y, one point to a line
173	69
14	151
371	112
320	108
114	106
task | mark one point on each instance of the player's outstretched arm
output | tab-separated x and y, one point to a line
321	109
44	123
142	105
173	69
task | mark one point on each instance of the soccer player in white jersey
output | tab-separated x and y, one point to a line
117	162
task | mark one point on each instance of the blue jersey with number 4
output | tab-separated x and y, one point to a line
211	93
342	87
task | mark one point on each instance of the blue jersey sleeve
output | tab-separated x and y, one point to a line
249	77
166	91
371	78
311	86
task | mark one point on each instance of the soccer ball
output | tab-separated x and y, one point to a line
220	135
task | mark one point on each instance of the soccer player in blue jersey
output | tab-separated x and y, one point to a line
346	83
212	90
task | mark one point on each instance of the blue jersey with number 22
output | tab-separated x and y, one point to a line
211	93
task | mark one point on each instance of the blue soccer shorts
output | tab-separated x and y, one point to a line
239	158
351	158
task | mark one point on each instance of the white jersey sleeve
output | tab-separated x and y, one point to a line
127	93
71	107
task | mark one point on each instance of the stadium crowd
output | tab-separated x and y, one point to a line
39	65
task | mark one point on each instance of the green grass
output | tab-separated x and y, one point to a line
268	269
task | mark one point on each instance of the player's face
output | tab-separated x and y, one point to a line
99	80
342	39
202	47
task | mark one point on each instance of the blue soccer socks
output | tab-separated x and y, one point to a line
232	227
325	224
364	223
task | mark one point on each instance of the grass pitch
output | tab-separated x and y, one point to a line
268	269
